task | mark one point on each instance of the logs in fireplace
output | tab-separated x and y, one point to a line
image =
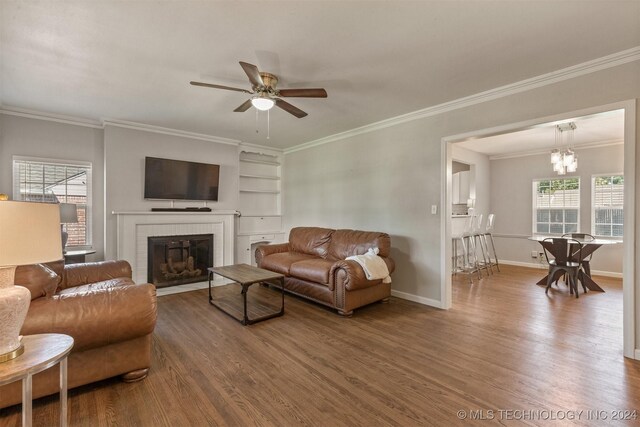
177	260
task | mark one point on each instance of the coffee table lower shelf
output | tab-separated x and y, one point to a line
244	309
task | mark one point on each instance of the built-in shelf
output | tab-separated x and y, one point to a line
242	175
260	191
260	162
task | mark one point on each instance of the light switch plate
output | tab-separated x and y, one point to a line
434	209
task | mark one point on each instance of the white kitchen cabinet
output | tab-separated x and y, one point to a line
461	185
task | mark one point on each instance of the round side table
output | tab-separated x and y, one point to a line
40	352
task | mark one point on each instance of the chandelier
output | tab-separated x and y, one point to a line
564	160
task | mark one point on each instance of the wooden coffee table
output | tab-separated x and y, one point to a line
246	275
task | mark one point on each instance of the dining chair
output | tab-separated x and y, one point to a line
585	264
585	238
560	254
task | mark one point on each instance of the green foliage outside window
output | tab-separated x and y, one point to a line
609	180
553	185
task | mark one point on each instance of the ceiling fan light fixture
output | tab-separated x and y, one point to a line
262	102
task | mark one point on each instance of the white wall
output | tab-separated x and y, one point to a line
367	183
512	201
124	153
21	136
117	155
387	179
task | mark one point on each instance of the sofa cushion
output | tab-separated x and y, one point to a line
310	240
281	262
98	316
345	243
93	287
93	272
40	279
314	270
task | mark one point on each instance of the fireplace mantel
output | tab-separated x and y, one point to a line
134	227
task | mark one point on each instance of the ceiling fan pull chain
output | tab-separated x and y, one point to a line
268	124
257	120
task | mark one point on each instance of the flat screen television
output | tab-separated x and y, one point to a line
180	180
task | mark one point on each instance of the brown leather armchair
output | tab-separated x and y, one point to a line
110	318
313	263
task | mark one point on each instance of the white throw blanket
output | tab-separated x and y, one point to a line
374	266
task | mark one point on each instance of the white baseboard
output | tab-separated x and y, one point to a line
606	274
544	267
416	298
636	354
169	290
523	264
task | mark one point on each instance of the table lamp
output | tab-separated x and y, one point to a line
68	215
29	234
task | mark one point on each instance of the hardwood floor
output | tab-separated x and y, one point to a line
504	346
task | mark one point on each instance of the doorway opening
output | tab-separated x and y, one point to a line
513	182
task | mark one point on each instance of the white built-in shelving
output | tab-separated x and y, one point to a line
260	202
259	183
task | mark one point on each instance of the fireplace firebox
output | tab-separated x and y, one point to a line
177	260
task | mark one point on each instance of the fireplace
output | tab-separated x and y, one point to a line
176	260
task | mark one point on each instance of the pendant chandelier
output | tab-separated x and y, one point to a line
564	160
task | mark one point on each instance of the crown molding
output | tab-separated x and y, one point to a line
262	148
605	62
576	148
58	118
95	124
168	131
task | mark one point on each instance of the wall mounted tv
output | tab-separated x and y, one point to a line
180	180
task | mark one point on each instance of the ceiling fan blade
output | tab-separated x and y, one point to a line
253	73
244	107
290	108
305	93
219	87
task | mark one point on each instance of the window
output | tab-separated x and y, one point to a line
556	206
607	200
57	181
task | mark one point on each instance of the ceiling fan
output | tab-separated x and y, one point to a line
266	94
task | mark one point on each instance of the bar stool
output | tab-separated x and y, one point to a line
469	261
479	241
488	233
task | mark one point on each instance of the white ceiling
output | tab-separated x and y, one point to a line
598	129
133	60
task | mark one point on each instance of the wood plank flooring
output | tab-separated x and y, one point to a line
504	346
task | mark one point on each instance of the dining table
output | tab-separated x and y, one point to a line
589	246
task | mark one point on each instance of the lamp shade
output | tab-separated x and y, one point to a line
68	213
29	233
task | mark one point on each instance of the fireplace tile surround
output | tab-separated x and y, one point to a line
133	229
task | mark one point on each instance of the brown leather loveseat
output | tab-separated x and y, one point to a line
314	266
110	318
